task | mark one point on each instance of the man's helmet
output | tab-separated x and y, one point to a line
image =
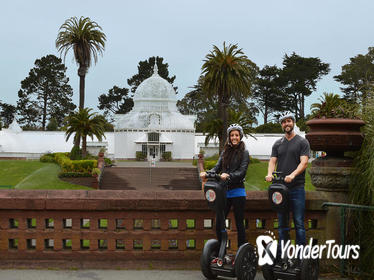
287	115
237	127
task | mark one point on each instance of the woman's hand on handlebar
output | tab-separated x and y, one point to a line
203	175
225	176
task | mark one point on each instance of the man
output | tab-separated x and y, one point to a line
290	155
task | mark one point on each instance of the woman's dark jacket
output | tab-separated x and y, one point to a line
237	169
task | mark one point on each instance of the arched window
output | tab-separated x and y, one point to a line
153	137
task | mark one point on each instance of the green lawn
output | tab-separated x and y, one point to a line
255	178
32	174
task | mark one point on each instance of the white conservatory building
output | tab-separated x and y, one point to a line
154	125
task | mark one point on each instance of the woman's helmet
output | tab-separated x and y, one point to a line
286	115
237	127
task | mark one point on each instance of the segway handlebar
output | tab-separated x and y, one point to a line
277	177
212	175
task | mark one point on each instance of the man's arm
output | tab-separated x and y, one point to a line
300	169
271	168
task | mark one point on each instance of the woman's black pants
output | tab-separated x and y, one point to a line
238	204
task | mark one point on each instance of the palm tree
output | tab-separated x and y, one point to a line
83	124
213	126
328	104
87	40
227	75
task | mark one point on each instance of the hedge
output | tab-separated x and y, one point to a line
71	168
140	156
48	158
166	156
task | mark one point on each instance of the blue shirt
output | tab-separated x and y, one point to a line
237	192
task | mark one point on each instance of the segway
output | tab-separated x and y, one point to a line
214	261
298	269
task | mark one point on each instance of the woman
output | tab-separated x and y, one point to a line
232	165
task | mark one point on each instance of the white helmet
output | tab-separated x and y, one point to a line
287	115
235	126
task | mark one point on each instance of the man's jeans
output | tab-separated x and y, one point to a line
297	206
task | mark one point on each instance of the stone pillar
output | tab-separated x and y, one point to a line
331	177
331	174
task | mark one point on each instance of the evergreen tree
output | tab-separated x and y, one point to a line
116	101
268	93
145	70
358	77
7	112
45	94
299	77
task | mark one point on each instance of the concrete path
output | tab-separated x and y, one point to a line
102	275
157	164
26	274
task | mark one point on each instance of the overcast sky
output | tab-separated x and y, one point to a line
183	32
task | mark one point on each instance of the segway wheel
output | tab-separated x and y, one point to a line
246	263
210	252
267	272
309	269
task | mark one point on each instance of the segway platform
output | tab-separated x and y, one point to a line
304	269
214	261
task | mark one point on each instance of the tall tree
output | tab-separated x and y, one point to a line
358	77
7	112
116	101
45	93
145	70
87	40
197	102
300	76
268	92
205	106
84	123
227	74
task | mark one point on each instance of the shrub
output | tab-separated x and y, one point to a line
76	153
253	160
47	158
108	161
64	162
96	171
83	165
73	174
301	124
166	156
52	125
80	166
140	156
269	128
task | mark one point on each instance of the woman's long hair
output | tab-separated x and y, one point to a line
230	152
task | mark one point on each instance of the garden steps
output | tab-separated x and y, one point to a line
146	178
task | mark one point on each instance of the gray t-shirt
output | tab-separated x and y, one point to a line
288	153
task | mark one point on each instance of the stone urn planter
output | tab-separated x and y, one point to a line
335	136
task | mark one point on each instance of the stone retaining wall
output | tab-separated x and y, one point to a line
59	228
